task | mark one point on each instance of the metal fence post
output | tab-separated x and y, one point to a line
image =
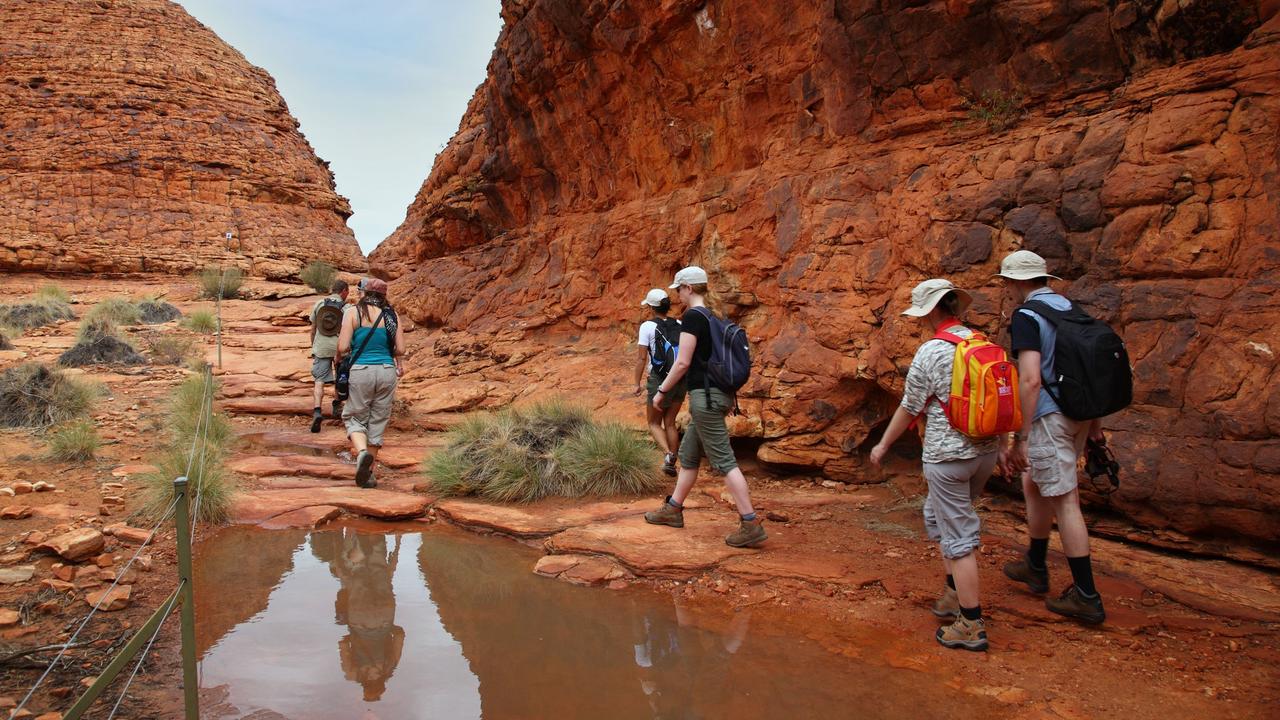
221	279
190	683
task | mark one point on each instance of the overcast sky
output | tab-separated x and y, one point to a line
378	85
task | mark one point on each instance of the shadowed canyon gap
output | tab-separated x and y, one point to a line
820	160
132	138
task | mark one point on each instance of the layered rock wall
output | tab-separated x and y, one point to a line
821	158
132	138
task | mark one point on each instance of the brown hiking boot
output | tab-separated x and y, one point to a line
948	606
963	633
1021	570
668	514
1074	605
748	534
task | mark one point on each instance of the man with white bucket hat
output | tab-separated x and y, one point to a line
1047	448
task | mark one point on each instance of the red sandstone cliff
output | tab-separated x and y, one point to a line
132	138
821	158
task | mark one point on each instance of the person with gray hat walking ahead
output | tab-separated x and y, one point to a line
1045	451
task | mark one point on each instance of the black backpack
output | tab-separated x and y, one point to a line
1092	377
730	365
663	351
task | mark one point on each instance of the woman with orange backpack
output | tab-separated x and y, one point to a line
963	387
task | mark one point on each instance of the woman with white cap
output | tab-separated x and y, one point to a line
707	435
372	334
658	347
956	467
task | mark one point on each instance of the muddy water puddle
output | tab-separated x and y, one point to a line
365	623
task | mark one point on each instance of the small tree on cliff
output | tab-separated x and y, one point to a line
319	276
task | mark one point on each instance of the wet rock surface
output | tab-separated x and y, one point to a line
819	180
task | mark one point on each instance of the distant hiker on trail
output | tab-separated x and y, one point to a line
370	349
713	359
326	323
658	348
1073	371
956	463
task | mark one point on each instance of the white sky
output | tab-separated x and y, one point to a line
379	86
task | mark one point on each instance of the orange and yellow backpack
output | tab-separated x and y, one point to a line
984	387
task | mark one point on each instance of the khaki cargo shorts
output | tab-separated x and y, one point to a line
1053	453
322	370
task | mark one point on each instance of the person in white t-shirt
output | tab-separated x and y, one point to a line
657	347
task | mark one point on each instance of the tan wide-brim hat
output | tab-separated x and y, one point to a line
1024	265
926	295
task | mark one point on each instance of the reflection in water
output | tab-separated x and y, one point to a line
366	604
351	632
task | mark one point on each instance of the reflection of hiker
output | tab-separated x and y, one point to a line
366	604
372	336
707	434
669	646
326	323
1059	415
956	465
658	347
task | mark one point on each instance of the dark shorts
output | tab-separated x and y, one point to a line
676	396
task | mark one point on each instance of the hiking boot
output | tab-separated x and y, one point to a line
316	418
748	534
669	464
668	514
1074	605
337	409
948	606
364	469
964	633
1021	570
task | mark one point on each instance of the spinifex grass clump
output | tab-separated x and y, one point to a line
548	449
171	349
36	313
74	442
53	292
36	396
227	282
319	276
115	310
100	342
201	321
153	311
198	443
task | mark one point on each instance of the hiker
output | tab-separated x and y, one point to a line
326	323
707	435
1046	448
956	465
658	347
374	341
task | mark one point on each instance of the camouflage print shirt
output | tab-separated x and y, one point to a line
929	382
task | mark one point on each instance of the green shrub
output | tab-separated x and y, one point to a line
227	282
197	447
319	276
201	321
608	459
116	310
74	442
37	313
170	349
552	448
35	395
997	108
53	292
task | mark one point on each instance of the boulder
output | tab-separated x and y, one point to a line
76	545
110	599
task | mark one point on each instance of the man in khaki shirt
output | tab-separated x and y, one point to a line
325	326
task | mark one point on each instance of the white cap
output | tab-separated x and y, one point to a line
655	297
692	275
927	294
1024	265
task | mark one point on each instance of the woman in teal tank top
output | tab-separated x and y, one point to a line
371	333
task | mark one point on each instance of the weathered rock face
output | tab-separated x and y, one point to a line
132	138
821	158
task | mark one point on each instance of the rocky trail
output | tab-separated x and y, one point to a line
846	565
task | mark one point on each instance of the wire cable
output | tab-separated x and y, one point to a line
168	611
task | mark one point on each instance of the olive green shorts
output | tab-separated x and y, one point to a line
675	396
707	435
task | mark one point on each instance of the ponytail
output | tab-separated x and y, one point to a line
663	307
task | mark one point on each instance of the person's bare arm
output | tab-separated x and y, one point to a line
398	353
688	345
897	425
344	335
642	358
1029	394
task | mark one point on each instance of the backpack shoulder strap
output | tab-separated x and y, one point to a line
1055	316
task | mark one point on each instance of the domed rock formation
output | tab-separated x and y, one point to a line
132	138
821	158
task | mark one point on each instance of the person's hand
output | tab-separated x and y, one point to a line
399	371
657	400
639	389
1095	431
878	453
1015	459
